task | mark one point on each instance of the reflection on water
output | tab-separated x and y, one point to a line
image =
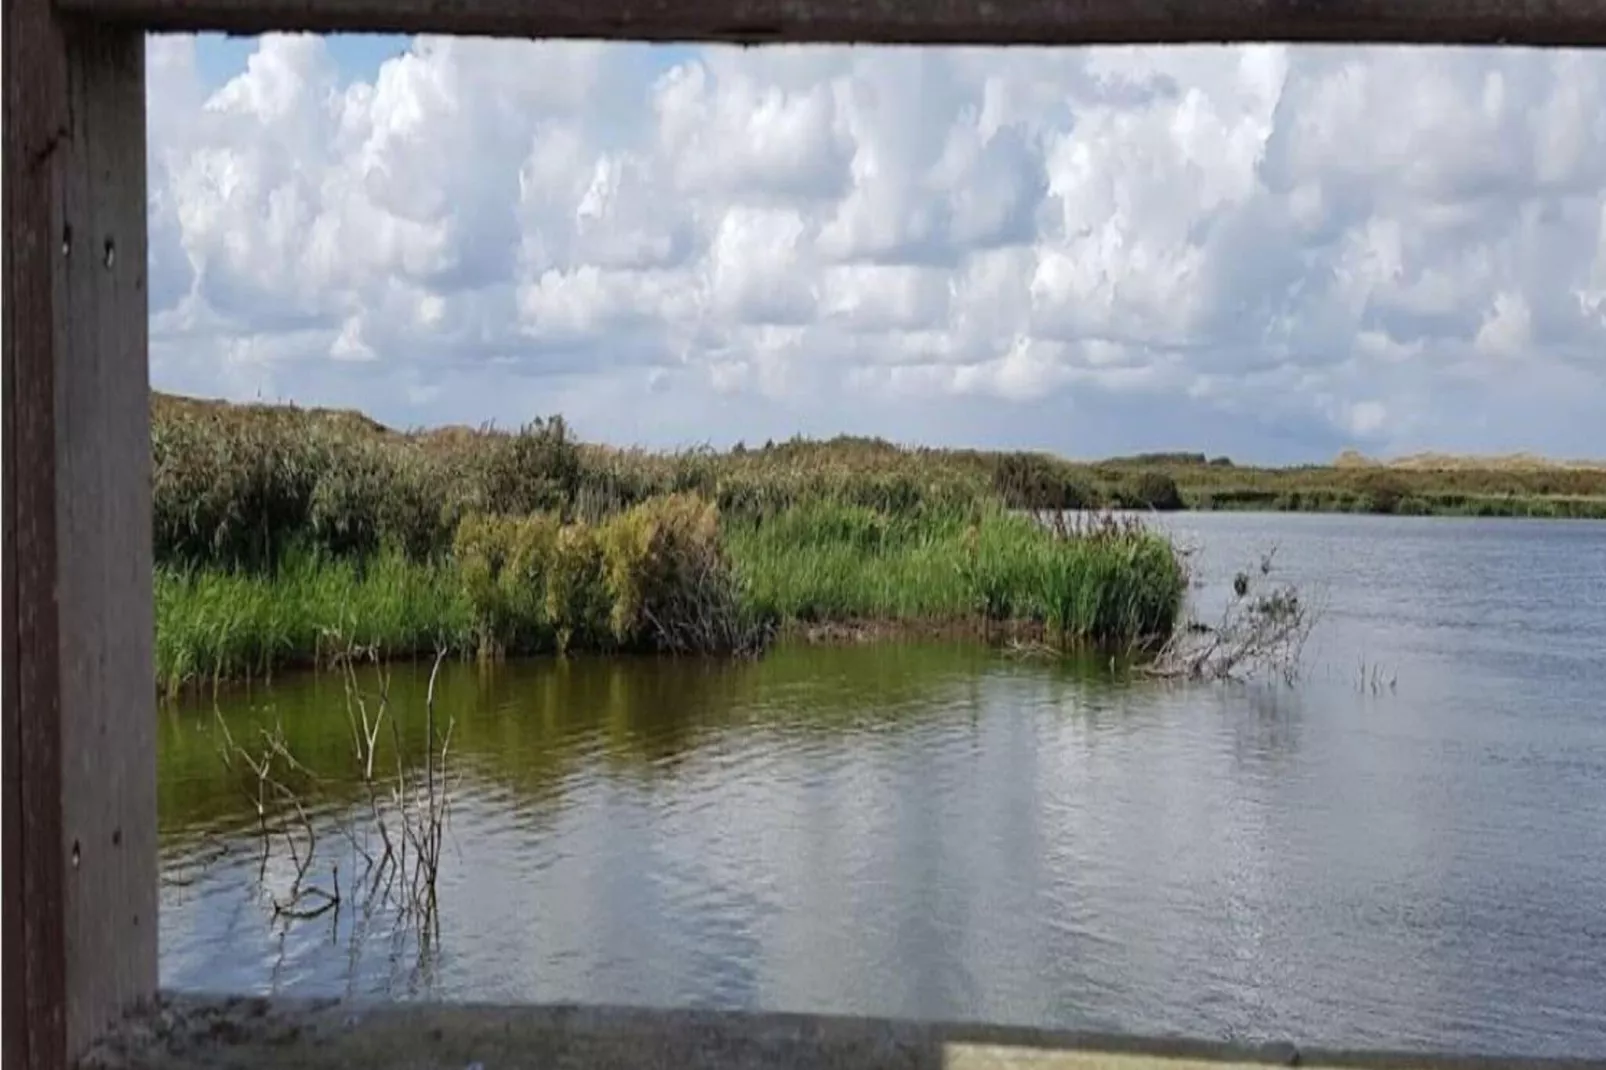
940	831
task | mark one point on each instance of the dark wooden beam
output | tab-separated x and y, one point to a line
1042	22
79	693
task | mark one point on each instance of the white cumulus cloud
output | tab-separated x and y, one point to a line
1268	251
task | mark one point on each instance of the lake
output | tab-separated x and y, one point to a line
1405	850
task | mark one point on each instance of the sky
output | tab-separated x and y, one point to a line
1269	252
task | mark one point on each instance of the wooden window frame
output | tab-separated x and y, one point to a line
78	734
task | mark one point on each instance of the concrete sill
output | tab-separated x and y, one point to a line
188	1032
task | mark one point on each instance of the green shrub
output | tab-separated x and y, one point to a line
1152	490
1036	482
505	566
577	600
536	469
671	585
1380	492
653	578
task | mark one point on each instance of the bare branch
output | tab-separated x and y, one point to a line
407	816
1263	629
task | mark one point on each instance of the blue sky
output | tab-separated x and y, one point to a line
1092	251
358	56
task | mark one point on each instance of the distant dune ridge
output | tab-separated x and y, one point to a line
1452	462
458	434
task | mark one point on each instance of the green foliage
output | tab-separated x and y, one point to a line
668	576
273	525
1381	492
504	565
577	598
1167	460
1152	490
1037	482
1102	582
245	486
213	624
671	585
237	493
653	578
537	469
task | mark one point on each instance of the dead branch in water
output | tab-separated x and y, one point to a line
1263	629
404	811
279	809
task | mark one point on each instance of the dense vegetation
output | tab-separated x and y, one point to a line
281	533
284	535
239	485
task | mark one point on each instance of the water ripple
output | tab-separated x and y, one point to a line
932	830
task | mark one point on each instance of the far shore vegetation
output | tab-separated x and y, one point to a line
284	535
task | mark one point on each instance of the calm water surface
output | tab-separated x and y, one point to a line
940	831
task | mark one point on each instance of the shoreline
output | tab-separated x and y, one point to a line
669	578
282	535
1480	508
996	636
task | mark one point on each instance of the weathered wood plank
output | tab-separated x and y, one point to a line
104	535
79	717
1047	22
35	947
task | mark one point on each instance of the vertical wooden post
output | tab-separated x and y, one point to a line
79	693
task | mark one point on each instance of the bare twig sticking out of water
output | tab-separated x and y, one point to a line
265	787
1370	678
1259	631
405	816
409	821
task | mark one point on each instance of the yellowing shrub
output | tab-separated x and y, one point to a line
652	578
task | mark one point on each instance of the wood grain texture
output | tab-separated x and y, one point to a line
79	717
103	511
1047	22
35	945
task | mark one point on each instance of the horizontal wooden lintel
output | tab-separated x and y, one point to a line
1551	23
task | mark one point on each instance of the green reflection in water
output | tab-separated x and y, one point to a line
523	727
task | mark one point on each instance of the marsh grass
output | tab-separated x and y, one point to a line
242	486
1106	581
216	624
654	578
668	576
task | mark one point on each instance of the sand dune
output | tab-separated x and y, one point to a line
1444	462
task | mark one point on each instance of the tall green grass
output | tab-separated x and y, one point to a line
213	623
241	486
668	576
1106	582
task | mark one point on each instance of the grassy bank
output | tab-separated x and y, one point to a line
280	532
240	485
233	624
1099	580
668	576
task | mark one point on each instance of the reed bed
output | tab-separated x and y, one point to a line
214	623
668	576
242	485
277	527
1105	581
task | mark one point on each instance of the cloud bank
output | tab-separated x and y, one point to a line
1265	251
